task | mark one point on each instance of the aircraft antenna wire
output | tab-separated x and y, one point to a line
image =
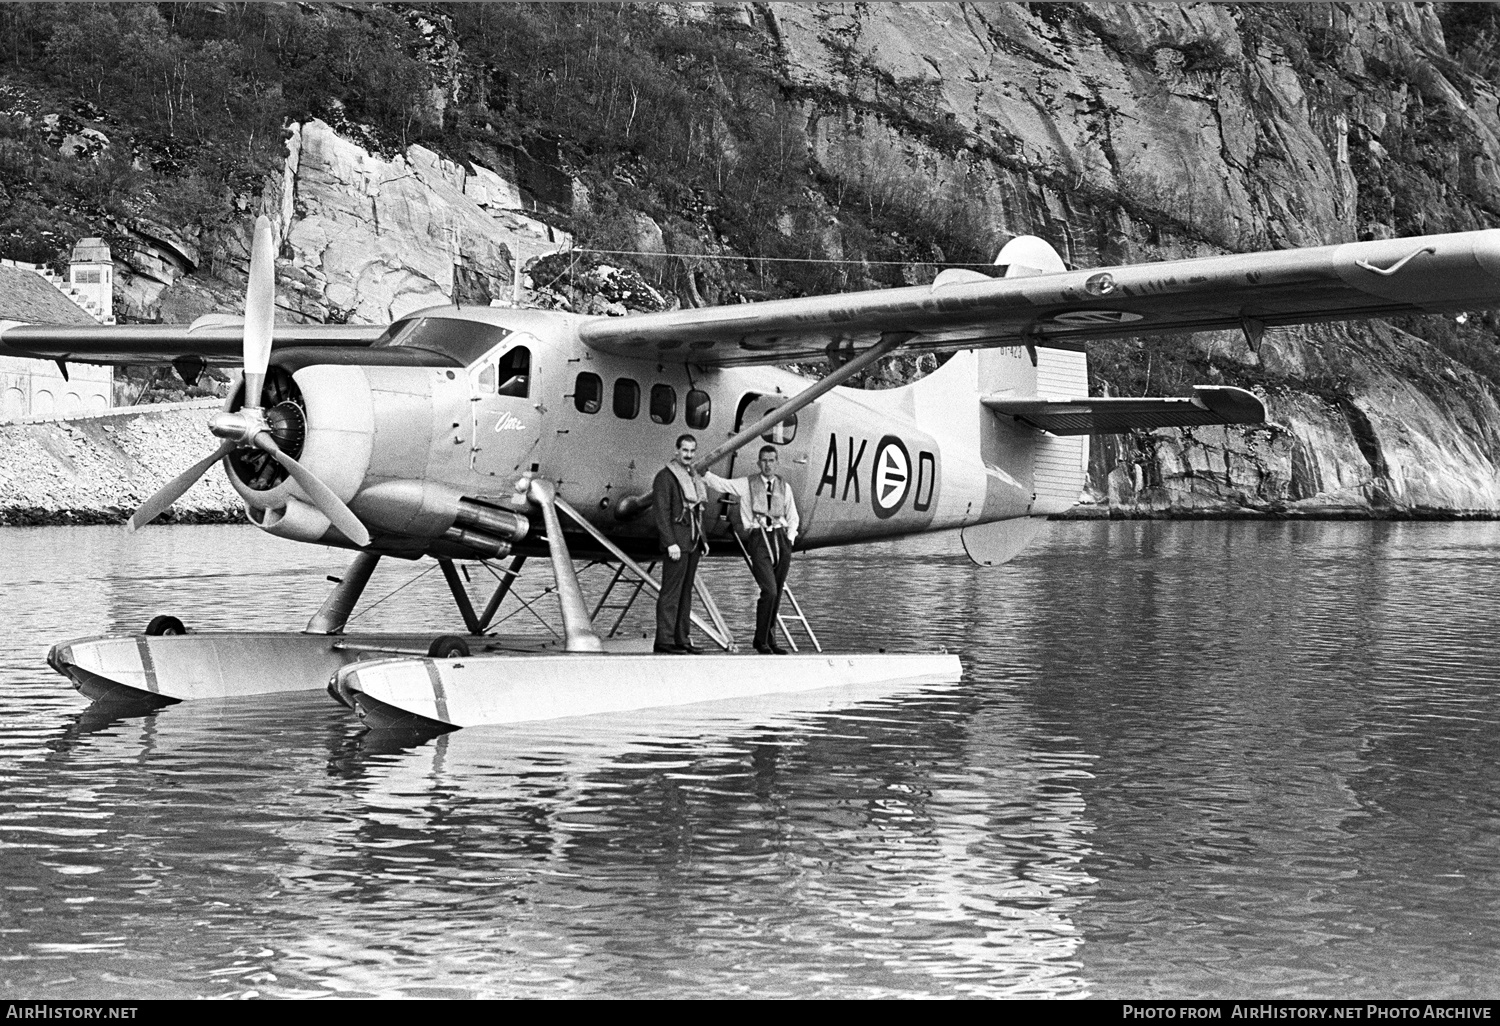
773	260
526	605
566	270
391	594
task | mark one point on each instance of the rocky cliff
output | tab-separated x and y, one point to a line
1119	132
1126	132
889	138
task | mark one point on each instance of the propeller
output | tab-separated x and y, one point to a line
247	426
173	489
260	312
322	496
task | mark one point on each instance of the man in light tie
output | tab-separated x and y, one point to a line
768	524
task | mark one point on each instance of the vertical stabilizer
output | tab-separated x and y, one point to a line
1001	476
1060	463
1054	467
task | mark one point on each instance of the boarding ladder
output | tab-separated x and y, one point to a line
714	628
782	619
630	585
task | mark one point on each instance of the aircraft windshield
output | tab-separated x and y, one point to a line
465	341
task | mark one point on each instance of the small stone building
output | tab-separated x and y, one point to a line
33	295
91	275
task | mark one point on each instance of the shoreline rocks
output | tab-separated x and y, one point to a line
23	516
97	470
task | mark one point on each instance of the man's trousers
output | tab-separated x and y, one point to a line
674	606
770	564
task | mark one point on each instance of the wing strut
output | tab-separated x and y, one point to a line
632	505
890	341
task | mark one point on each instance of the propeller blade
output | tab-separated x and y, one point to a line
260	310
322	496
173	489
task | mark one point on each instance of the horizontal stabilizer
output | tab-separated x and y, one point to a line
1210	404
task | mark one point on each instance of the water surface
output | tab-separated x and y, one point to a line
1190	759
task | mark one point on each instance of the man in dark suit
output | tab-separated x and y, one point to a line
678	498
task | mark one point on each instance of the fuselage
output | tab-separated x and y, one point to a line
429	456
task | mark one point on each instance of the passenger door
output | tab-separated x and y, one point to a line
507	420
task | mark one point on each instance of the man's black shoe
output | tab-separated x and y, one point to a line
776	649
690	649
764	649
668	650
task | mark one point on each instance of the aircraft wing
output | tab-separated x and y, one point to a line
1209	404
214	339
1426	274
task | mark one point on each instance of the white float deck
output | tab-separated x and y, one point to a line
389	681
495	689
229	664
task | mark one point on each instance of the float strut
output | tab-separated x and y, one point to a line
578	629
334	613
501	590
460	596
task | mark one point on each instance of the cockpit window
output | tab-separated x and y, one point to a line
465	341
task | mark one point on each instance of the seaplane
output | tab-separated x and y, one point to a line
484	433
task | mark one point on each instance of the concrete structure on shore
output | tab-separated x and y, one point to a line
32	294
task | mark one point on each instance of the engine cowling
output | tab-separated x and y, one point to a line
337	429
383	440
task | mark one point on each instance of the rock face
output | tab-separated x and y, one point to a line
1118	132
1128	132
372	239
1396	428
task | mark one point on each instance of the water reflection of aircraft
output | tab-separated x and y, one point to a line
477	433
924	840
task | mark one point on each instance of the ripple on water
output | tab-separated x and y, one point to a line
1185	760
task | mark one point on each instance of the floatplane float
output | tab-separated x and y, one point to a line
481	433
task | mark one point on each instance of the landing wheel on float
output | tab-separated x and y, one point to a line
160	625
449	646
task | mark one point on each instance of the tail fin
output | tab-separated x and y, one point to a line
1051	469
1060	465
1056	467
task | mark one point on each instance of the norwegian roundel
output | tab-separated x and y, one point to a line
890	479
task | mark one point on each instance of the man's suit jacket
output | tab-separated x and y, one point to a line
672	528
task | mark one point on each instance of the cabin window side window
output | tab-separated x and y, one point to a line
781	434
588	393
663	404
753	407
627	398
699	408
515	373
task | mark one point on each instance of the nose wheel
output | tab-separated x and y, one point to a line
160	625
